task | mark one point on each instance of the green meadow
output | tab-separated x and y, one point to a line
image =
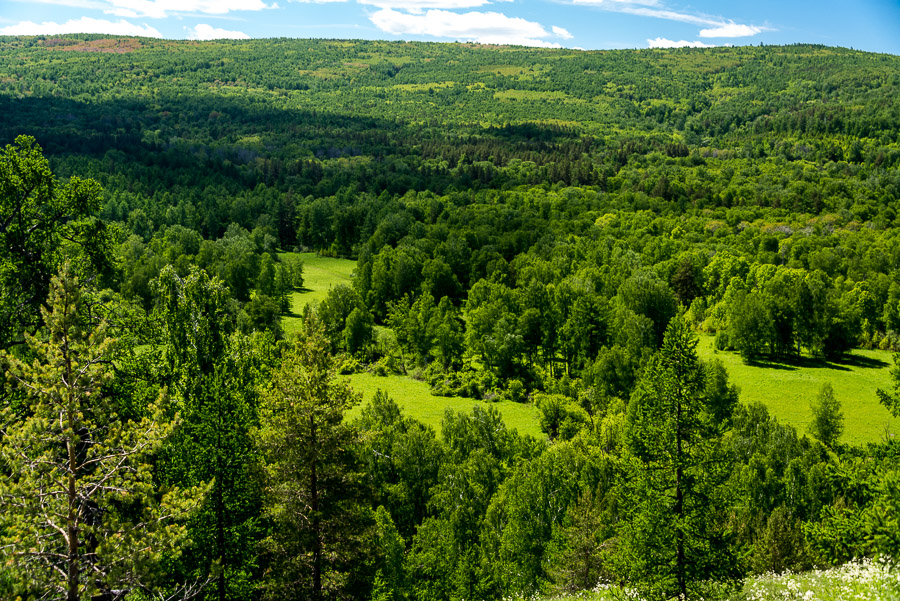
415	400
413	396
319	274
788	389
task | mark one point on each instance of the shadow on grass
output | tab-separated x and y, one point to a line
862	362
845	363
766	363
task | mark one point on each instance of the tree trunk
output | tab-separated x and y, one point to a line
316	523
72	514
679	507
220	538
72	527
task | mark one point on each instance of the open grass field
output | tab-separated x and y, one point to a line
413	397
319	274
415	400
787	389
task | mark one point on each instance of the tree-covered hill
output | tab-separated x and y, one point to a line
546	227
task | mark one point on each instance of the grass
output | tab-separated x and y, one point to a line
865	580
319	275
415	400
787	389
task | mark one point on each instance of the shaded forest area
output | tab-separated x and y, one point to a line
543	226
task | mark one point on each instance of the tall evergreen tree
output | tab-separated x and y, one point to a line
674	540
314	493
79	512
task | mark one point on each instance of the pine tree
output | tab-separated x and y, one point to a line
79	516
314	491
674	541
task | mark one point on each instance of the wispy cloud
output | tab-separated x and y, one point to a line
482	27
82	25
666	43
420	6
208	32
716	26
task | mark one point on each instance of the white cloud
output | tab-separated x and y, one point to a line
665	43
485	28
731	30
718	27
82	25
160	9
208	32
561	33
649	9
419	6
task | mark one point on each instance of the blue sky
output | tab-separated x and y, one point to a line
589	24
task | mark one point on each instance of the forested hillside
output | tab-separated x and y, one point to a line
546	227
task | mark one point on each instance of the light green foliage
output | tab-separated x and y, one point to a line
81	515
212	373
828	421
553	519
891	400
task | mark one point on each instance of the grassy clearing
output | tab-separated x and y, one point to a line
865	580
415	400
787	389
319	274
413	397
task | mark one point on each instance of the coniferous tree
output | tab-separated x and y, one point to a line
314	492
674	540
79	512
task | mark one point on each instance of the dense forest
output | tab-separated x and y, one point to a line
551	227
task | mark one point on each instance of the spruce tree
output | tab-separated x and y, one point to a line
314	496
